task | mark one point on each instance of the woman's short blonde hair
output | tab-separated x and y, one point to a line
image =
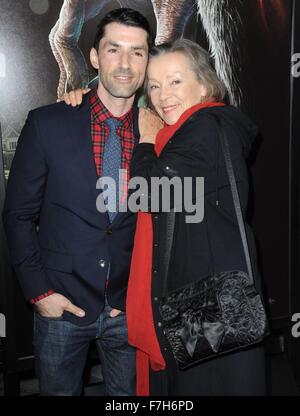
201	65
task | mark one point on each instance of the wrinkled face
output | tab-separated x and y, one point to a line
173	86
121	59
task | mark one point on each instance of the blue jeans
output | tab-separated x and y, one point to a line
61	349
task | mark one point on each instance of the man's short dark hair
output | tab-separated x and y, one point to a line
124	16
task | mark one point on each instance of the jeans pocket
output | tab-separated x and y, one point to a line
108	310
121	314
48	318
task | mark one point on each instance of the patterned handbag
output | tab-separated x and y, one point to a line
219	314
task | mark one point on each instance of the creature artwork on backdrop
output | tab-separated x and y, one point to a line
219	19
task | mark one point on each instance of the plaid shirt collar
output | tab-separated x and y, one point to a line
100	113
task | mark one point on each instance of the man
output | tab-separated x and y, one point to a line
75	267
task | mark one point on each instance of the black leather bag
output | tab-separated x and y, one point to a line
219	314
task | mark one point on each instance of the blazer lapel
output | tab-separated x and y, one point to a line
136	131
81	138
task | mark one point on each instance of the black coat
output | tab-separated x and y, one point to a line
206	247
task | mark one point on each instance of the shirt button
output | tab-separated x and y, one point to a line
109	232
102	263
156	299
156	217
155	244
159	324
155	271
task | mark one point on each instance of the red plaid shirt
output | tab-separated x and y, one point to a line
99	114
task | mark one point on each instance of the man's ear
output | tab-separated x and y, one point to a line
94	58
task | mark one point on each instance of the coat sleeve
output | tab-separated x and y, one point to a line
187	153
24	198
190	153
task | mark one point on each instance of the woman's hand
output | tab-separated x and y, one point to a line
149	125
74	98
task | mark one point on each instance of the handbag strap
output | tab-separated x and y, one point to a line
235	194
236	202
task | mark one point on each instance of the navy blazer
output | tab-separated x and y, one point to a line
57	238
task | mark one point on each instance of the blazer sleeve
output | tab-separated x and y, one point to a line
24	198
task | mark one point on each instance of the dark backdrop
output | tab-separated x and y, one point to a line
28	79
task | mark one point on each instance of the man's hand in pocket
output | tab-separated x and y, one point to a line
55	305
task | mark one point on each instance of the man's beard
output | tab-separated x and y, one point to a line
117	89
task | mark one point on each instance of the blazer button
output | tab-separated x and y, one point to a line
109	232
102	263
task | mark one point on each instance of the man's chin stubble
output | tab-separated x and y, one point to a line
119	93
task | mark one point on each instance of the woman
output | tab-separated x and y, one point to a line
185	92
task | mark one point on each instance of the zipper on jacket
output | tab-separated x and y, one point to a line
217	171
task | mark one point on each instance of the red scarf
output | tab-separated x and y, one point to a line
141	330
